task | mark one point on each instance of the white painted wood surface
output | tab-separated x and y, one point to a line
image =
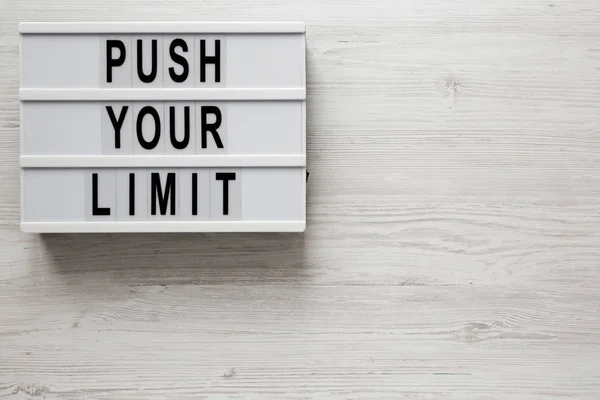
453	242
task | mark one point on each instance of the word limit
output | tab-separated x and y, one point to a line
163	192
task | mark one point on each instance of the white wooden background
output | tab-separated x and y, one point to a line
453	243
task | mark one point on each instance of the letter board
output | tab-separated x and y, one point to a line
163	127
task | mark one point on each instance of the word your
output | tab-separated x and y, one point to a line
117	119
179	49
163	194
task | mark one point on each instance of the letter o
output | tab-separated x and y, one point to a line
140	119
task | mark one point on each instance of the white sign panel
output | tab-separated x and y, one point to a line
163	127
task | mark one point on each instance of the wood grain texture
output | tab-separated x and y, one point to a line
453	241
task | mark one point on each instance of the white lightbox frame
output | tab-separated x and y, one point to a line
162	94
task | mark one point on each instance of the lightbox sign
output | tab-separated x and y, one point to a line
163	127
